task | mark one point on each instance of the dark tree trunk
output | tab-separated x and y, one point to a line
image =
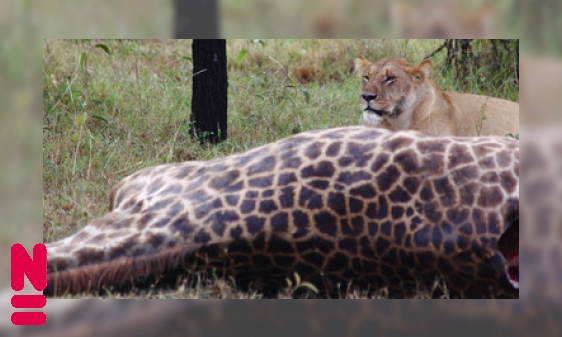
210	83
466	55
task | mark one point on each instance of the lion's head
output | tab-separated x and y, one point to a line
390	86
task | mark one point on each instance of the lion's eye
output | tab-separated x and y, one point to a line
365	78
389	80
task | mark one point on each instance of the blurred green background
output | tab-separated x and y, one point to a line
24	24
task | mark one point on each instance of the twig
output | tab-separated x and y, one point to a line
199	72
437	50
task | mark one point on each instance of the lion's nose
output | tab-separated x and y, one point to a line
368	97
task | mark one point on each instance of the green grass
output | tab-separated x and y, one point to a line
108	112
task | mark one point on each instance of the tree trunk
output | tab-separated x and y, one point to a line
468	60
210	83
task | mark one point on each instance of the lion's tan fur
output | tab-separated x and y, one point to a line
409	99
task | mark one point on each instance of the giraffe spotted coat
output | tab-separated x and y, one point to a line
346	205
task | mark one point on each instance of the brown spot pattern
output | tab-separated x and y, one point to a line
348	204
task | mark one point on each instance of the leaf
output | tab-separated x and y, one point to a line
101	117
83	59
306	95
515	136
310	287
104	47
297	278
289	282
81	119
241	55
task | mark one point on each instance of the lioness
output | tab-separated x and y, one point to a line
399	96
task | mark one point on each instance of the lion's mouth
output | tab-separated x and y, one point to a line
380	113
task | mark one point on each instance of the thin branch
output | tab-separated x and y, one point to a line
437	50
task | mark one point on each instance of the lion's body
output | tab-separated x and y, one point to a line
398	96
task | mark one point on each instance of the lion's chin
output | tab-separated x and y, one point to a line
371	118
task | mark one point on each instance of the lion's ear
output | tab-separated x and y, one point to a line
423	70
361	64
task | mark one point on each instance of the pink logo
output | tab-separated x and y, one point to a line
36	271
